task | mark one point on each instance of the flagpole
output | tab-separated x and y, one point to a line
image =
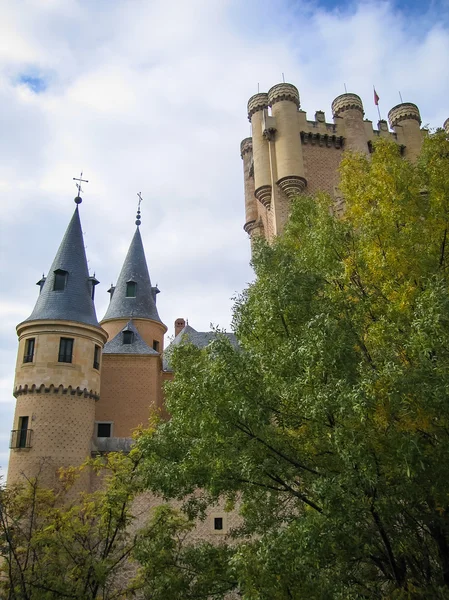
376	102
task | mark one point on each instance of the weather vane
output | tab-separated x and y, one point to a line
80	179
138	221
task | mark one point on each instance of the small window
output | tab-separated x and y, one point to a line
60	280
97	354
65	350
218	523
156	345
104	429
29	350
131	288
128	337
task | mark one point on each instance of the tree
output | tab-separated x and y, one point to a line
328	429
56	545
53	548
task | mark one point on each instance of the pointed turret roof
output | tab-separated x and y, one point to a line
142	303
73	301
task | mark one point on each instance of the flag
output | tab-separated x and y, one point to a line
376	97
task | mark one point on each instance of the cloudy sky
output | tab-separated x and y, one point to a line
150	96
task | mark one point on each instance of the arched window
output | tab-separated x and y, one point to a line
60	280
131	288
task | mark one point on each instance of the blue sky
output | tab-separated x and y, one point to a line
150	96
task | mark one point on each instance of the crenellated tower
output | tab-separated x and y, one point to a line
288	154
57	379
405	121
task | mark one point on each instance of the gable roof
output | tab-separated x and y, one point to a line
138	345
200	339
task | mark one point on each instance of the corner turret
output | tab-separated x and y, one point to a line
348	108
132	357
405	121
57	380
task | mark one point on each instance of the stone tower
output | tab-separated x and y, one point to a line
57	380
289	154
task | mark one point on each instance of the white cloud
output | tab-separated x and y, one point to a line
151	97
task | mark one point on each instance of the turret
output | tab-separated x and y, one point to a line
132	357
246	152
134	297
57	380
284	102
405	121
257	112
348	110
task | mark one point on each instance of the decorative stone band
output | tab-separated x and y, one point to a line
402	112
256	103
322	139
446	126
283	91
263	194
53	389
249	226
292	185
346	102
246	146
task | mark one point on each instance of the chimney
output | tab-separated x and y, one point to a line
179	325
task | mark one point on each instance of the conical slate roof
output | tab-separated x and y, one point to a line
134	270
73	302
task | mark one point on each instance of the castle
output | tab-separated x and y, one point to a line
82	386
288	154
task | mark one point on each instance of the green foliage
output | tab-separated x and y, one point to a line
329	427
52	547
178	567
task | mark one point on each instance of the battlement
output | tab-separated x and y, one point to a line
283	91
256	103
289	153
347	102
403	112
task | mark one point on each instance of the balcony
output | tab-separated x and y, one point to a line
21	438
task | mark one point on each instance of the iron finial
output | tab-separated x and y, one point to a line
80	179
138	220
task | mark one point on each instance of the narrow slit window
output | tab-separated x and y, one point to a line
156	345
97	354
29	350
218	523
60	280
128	337
65	350
131	288
104	430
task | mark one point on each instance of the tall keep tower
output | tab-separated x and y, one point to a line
289	154
57	380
